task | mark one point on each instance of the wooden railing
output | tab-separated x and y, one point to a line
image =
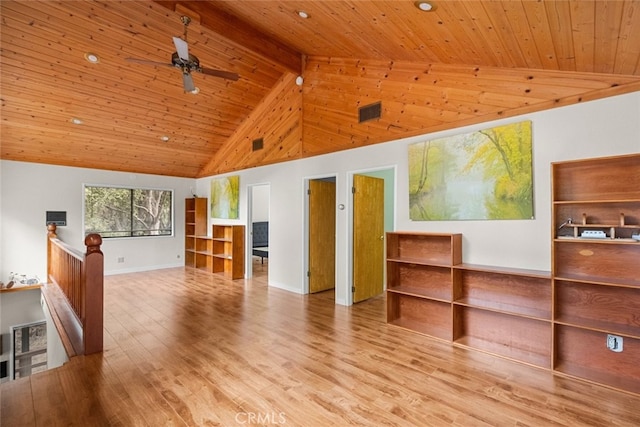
74	292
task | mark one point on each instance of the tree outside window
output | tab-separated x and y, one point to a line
127	212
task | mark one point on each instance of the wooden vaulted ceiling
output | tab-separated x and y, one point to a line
464	62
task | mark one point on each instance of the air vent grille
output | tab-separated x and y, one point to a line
369	112
258	144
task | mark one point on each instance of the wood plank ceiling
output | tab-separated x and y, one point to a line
464	62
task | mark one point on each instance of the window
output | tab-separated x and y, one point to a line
127	212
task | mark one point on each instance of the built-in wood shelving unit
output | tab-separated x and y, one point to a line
580	320
596	280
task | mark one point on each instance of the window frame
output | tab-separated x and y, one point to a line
131	188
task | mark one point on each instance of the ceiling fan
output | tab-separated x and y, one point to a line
186	62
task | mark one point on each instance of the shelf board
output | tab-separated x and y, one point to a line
510	309
611	225
602	378
604	281
422	328
418	261
606	240
599	326
223	256
19	287
421	293
504	270
512	353
593	201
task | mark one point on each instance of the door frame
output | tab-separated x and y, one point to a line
305	255
394	196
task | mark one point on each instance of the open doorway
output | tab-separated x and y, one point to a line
257	241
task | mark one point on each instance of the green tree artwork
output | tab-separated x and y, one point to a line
475	176
225	197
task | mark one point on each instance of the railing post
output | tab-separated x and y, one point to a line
93	275
51	234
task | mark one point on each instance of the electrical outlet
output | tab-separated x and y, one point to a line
120	259
614	343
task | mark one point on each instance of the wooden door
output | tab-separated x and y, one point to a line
322	235
368	237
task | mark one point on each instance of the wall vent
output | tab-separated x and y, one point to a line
370	112
258	144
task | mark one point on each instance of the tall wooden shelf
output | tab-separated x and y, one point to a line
195	217
222	252
419	281
228	250
596	280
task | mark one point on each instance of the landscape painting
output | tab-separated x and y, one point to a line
483	175
225	197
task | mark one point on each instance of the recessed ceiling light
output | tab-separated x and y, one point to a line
91	57
76	121
425	6
164	138
302	14
195	91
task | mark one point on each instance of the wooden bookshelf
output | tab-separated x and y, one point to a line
195	239
502	311
596	282
228	250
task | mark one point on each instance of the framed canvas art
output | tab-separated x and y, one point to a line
483	175
225	197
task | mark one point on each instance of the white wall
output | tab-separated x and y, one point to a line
599	128
28	190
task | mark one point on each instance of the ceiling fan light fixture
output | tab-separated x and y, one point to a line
92	57
302	14
425	6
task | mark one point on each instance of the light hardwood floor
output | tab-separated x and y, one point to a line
183	347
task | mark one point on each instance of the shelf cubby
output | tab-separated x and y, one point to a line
519	338
425	248
583	353
419	280
512	291
422	315
604	308
603	261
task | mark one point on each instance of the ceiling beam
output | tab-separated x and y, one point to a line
240	33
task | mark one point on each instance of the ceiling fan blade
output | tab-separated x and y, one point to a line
187	82
182	48
145	62
219	73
